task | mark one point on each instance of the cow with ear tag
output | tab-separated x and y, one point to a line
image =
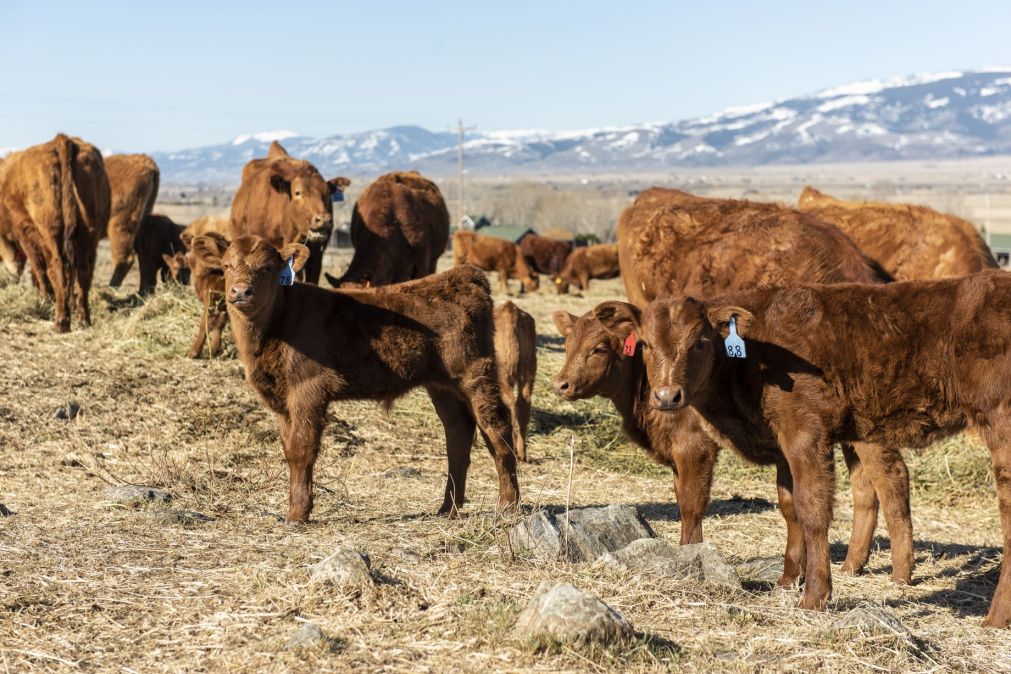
304	347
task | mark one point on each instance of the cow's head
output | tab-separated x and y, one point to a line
178	267
310	198
561	283
593	356
529	280
251	269
681	339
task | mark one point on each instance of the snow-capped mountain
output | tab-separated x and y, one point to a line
929	116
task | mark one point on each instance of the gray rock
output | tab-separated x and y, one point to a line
130	493
5	511
308	635
406	555
762	570
591	532
871	619
68	411
184	517
558	612
345	568
658	556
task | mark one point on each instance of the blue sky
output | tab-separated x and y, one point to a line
158	76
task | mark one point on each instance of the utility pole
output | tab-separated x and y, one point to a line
460	129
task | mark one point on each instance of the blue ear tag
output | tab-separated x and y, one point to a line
287	277
338	196
733	343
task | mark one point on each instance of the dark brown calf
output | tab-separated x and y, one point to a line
896	365
209	285
543	254
492	254
160	249
590	262
516	356
304	347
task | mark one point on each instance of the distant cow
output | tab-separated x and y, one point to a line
54	208
909	242
901	364
160	250
492	254
133	181
399	228
516	356
589	262
545	255
209	285
304	347
286	200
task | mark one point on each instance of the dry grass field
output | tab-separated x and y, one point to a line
92	585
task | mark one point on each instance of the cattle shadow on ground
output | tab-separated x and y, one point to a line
551	343
545	423
668	511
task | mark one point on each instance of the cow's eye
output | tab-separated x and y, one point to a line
298	193
601	350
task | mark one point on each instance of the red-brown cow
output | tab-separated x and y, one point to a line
160	249
590	262
516	356
209	285
492	254
133	182
543	254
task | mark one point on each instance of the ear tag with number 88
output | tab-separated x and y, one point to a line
733	343
287	277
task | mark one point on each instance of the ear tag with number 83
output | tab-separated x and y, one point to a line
287	277
733	343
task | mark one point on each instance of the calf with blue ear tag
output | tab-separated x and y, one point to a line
733	342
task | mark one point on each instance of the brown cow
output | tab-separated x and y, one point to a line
545	255
399	228
209	286
206	224
492	254
160	249
54	208
133	182
901	364
909	242
304	346
670	242
286	200
589	262
516	357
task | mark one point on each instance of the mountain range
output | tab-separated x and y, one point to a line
928	116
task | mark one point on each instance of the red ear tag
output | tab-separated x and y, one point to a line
629	349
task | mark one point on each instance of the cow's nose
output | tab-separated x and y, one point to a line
321	219
667	397
562	387
240	292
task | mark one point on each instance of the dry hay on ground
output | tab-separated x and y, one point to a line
88	584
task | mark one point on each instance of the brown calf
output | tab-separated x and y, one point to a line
160	249
589	262
304	347
903	364
133	181
492	254
516	356
209	285
543	254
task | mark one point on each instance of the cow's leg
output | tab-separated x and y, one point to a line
148	275
998	439
481	388
521	417
811	465
584	282
218	324
503	281
301	430
198	341
314	265
82	283
121	245
888	473
459	425
59	276
40	271
693	483
795	556
865	513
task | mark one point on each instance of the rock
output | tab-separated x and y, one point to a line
406	555
5	511
131	493
68	411
658	556
762	570
184	517
591	533
309	635
345	568
871	619
558	612
401	471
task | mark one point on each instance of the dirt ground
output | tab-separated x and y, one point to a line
89	584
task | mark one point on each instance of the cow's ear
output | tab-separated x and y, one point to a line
276	150
209	250
187	239
169	259
280	185
298	253
619	318
338	183
564	321
719	318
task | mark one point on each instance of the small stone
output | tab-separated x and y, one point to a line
591	532
68	411
406	555
401	471
5	511
309	635
345	568
131	493
659	556
762	570
184	517
871	619
558	612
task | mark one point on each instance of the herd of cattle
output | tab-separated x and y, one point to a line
774	331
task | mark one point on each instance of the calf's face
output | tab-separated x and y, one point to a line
681	341
178	267
251	267
592	353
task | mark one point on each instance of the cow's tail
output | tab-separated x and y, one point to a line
68	202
